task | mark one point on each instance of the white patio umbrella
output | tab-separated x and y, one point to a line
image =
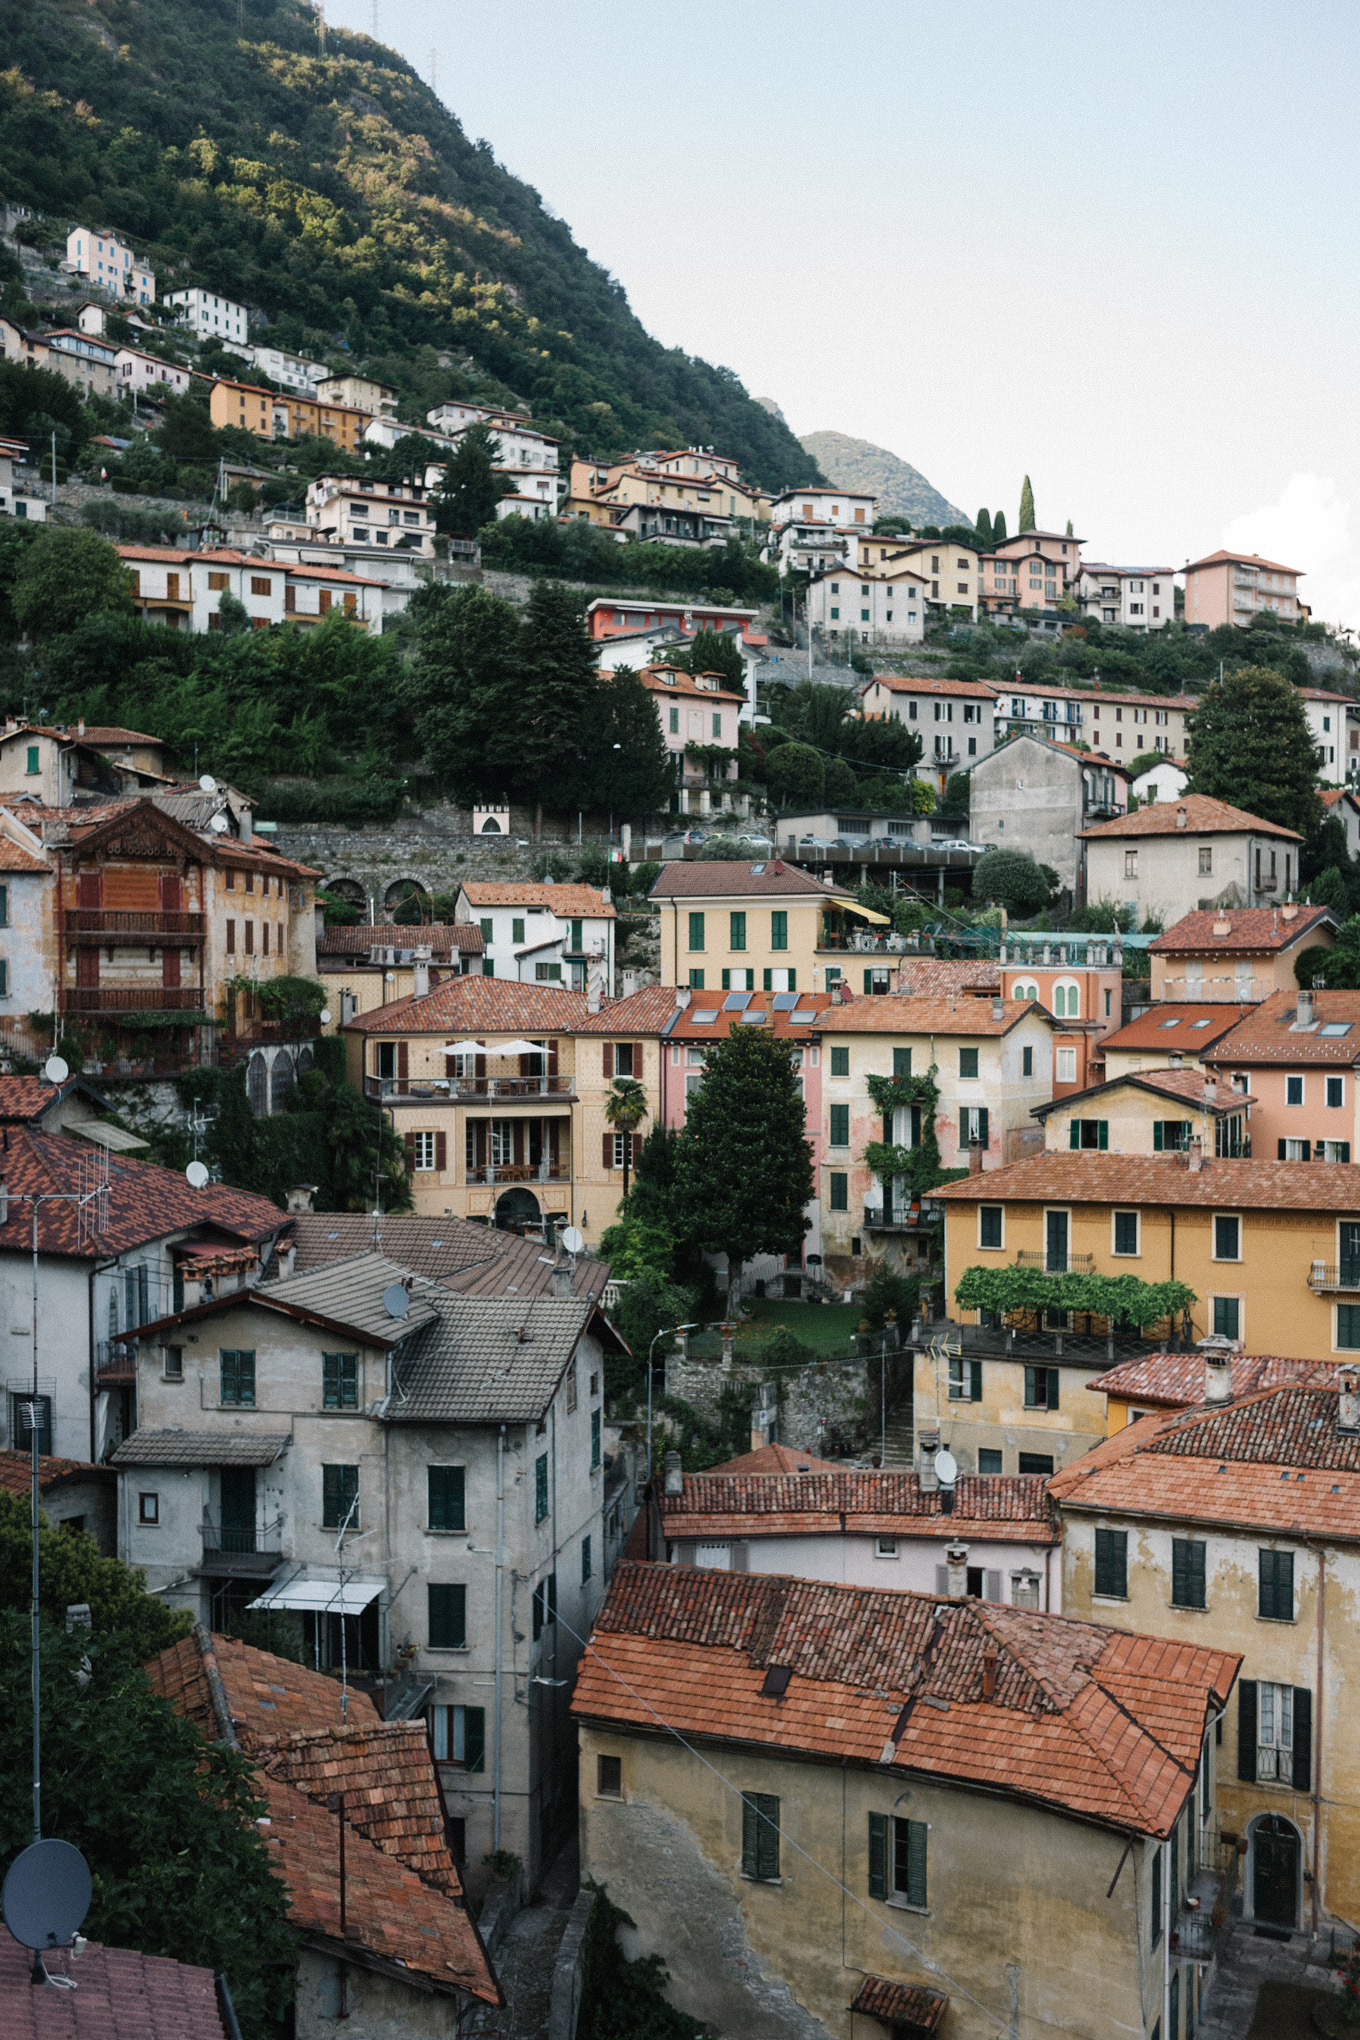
494	1048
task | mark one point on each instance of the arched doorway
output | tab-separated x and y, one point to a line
407	902
516	1209
1275	1856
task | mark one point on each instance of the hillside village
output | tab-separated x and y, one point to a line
675	1199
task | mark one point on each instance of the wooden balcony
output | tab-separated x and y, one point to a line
89	1001
114	925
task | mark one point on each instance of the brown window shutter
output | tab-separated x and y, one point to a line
607	1146
524	1065
552	1058
518	1149
410	1140
441	1152
403	1065
637	1059
637	1147
609	1062
480	1070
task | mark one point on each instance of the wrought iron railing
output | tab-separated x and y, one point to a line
1055	1263
1323	1276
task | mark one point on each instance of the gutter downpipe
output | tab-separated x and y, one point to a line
500	1593
1165	2021
1317	1746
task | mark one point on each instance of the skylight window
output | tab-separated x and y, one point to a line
1335	1028
755	1019
1197	1023
1171	1023
803	1019
756	870
705	1019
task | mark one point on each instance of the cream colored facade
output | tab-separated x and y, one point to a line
950	572
1243	977
1169	875
999	1415
1123	1118
755	939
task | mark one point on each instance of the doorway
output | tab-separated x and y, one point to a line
1275	1871
238	1508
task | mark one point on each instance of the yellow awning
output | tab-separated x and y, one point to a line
865	913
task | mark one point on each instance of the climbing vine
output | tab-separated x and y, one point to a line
1123	1299
919	1165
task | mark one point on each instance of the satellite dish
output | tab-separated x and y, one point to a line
573	1239
197	1176
946	1469
325	1016
396	1302
218	824
207	784
56	1069
46	1895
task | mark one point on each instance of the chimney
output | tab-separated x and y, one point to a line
1304	1015
300	1197
80	727
682	997
561	1281
836	993
247	826
989	1664
420	971
1194	1160
956	1565
975	1157
630	983
927	1445
1348	1402
998	1009
1217	1370
1290	913
1180	818
673	1479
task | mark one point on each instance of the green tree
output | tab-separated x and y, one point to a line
625	766
71	1571
469	488
957	796
840	787
68	574
16	536
1013	880
797	777
1250	745
998	529
625	1108
461	685
164	1818
743	1165
623	1999
984	530
1070	532
1337	967
540	742
1026	519
713	651
186	430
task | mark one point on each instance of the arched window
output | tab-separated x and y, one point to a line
280	1081
1067	999
1025	988
257	1085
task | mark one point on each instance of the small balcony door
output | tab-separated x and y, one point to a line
238	1508
1350	1253
1055	1242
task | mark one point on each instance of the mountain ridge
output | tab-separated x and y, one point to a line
902	490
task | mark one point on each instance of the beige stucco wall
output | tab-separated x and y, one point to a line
376	2007
1001	1422
1168	883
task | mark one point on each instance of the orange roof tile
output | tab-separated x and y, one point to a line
934	977
1102	1725
1012	1509
929	683
1175	1381
120	1994
657	680
1165	1179
1233	931
1204	816
1183	1087
733	877
565	901
1229	559
1268	1033
1173	1028
776	1459
16	1472
502	1006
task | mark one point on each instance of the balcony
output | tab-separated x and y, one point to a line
1324	1280
508	1090
116	925
86	1000
1057	1264
245	1549
520	1172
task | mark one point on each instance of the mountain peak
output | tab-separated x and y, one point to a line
902	490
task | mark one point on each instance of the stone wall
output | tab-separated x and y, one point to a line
825	1397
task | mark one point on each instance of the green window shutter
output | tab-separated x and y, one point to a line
779	929
487	926
727	980
748	1835
4	906
1303	1739
901	1062
594	1439
1157	1904
1307	1151
339	1487
447	1615
793	980
737	933
1074	1133
1246	1731
984	1139
1112	1563
33	758
340	1381
840	1126
1187	1572
975	1381
1031	1387
474	1738
516	931
696	931
1103	1138
840	1191
840	1062
1158	1142
868	984
541	1489
1053	1384
767	1837
767	980
878	1855
446	1497
1345	1145
917	1832
1187	1129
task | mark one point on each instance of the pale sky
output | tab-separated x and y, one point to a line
1111	246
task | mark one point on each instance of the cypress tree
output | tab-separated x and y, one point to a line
469	488
998	529
1026	507
1070	532
542	737
984	530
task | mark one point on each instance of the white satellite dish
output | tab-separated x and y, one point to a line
56	1069
196	1175
573	1239
946	1468
218	824
325	1016
396	1302
207	784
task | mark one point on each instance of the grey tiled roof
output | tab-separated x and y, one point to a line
438	1247
352	1293
490	1359
200	1448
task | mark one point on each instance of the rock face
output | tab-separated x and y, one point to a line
902	490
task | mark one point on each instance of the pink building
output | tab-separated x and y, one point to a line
1237	953
698	715
1227	587
607	616
1298	1054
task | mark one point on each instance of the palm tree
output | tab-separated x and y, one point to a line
625	1107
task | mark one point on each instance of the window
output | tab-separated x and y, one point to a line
737	931
516	930
1348	1327
760	1836
1187	1572
1227	1239
339	1493
541	1487
340	1381
148	1510
696	980
231	934
544	1605
1336	1091
447	1617
1293	1090
487	929
840	1125
1041	1389
174	1363
1035	1462
460	1735
838	1186
1157	1911
1130	864
779	930
1206	859
1126	1232
33	765
1112	1564
885	1547
446	1494
965	1381
21	1413
595	1422
1275	1573
609	1777
260	584
696	931
1088	1133
1171	1136
1281	1725
1027	1062
991	1225
989	1461
1228	1316
897	1859
1065	1065
901	1062
1067	1001
238	1378
973	1125
968	1062
840	1062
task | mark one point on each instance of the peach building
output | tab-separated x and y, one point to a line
1240	954
1227	587
1032	570
1299	1055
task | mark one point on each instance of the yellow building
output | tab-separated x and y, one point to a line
282	414
1237	1525
498	1090
951	572
999	1413
859	1813
1270	1249
1158	1112
730	925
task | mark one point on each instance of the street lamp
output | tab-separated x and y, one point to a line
665	1333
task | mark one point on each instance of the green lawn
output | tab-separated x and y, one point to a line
826	1327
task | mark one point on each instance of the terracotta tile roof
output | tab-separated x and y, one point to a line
901	2004
564	900
483	1005
736	877
1102	1725
100	733
1331	795
14	857
1182	1087
120	1994
1204	816
1228	559
810	1011
655	680
934	977
16	1472
776	1459
404	1897
144	1202
894	1014
441	937
1196	1028
437	1247
1234	931
26	1097
1267	1034
1009	1509
1166	1179
1175	1381
1272	1461
928	683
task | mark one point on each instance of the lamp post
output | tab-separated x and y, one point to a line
666	1332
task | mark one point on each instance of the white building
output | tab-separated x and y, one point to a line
522	445
395	515
1139	598
1328	721
15	501
1166	781
953	718
210	316
291	371
541	933
460	1439
139	372
813	528
110	265
184	589
89	365
885	608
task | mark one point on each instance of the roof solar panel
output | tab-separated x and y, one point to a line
756	1019
784	1002
736	1002
704	1019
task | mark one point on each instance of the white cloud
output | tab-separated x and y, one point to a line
1309	528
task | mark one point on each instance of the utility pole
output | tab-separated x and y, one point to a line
54	470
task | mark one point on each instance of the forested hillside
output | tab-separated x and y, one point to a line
333	193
